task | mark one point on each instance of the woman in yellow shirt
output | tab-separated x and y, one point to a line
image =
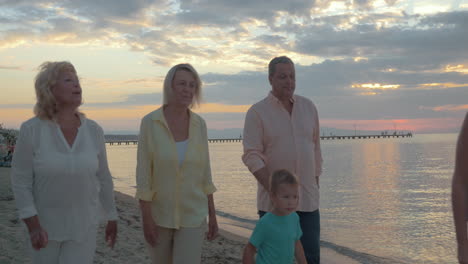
173	175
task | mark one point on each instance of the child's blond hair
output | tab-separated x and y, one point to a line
281	176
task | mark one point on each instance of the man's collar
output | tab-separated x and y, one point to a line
272	97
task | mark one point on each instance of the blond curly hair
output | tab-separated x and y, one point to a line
46	78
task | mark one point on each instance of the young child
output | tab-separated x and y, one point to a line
276	238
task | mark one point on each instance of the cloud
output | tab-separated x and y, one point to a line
338	55
448	108
5	67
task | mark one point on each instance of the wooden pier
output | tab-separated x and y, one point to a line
122	142
367	136
227	140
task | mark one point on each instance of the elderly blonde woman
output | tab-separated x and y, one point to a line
173	175
60	173
460	193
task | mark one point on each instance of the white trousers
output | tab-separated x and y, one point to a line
67	252
178	246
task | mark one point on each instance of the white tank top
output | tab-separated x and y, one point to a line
181	149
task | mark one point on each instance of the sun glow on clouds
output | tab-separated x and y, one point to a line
370	89
431	86
457	68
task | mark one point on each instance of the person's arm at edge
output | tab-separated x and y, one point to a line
459	195
299	253
249	254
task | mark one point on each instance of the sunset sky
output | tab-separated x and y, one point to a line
370	65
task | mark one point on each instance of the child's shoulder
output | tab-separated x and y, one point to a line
265	218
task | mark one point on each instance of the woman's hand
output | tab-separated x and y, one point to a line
212	222
111	233
37	234
150	230
212	228
39	238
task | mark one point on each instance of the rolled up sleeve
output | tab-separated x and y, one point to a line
209	186
144	169
22	175
253	156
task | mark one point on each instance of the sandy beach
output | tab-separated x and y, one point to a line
225	249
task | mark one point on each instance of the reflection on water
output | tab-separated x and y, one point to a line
385	197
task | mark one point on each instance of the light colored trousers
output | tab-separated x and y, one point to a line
67	252
178	246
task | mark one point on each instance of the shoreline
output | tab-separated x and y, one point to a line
130	248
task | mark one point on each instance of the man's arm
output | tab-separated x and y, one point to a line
263	177
299	253
249	254
252	142
318	149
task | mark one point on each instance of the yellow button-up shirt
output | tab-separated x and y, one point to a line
178	193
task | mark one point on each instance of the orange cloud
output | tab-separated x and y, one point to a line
222	108
447	108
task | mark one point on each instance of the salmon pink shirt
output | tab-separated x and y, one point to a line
276	139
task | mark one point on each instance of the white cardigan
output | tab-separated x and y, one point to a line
63	185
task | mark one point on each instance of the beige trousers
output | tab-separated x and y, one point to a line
178	246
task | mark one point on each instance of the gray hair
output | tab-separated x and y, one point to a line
167	89
276	60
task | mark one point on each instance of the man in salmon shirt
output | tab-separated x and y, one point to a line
282	132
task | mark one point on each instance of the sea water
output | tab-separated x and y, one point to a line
382	200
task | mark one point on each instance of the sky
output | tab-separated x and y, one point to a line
366	64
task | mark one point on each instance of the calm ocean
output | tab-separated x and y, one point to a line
382	200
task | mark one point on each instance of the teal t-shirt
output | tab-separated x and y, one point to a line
275	238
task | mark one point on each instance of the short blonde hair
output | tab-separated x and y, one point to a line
167	89
280	177
46	78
